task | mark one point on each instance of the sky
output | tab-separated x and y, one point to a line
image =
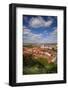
39	29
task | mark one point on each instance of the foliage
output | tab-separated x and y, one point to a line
37	66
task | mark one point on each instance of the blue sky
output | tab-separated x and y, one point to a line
39	29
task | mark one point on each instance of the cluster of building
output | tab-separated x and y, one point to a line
40	52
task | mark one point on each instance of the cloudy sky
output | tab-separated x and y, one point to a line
39	29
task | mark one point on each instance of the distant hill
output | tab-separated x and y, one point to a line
39	43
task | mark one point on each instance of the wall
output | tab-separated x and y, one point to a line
4	37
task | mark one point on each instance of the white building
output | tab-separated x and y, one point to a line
47	47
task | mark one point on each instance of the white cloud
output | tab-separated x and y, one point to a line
36	22
30	37
54	32
26	31
53	36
